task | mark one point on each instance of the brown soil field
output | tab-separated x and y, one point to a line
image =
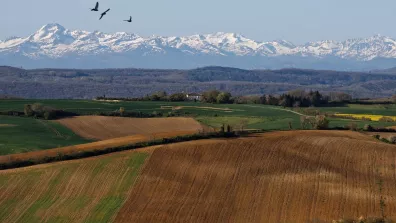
90	146
301	176
102	128
293	176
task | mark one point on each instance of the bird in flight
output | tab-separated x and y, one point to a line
130	19
103	14
96	7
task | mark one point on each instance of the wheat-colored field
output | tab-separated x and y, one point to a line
101	128
304	176
294	176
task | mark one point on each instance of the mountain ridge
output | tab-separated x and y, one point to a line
55	44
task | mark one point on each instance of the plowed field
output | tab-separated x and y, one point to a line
277	177
99	127
301	176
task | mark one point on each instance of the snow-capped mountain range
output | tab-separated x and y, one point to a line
55	46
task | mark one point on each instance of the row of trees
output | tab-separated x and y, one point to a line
296	98
212	96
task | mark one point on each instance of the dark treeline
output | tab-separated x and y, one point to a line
296	98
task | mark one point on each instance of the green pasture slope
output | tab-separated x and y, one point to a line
258	116
18	134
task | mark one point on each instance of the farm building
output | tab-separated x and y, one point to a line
194	96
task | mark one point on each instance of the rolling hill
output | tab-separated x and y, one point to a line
294	176
88	84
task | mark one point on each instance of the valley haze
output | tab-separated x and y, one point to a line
55	46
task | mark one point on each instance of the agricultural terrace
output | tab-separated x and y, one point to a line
290	176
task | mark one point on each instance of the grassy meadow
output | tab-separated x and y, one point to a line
18	134
90	190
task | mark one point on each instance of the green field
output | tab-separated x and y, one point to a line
26	134
388	110
18	134
90	190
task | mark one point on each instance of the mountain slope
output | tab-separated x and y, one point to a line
55	46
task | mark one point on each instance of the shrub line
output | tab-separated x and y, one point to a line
97	152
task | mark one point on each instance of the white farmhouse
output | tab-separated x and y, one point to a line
194	97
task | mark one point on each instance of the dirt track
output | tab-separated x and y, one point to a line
101	128
277	177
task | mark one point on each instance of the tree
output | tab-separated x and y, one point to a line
28	110
178	97
263	100
321	122
49	115
158	96
304	121
122	110
223	98
210	96
37	107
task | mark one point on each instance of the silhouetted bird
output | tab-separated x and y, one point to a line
103	14
96	7
130	19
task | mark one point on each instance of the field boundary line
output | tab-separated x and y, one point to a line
57	133
287	110
112	219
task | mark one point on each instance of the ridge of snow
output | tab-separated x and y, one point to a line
55	41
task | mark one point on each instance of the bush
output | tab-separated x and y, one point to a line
223	98
352	126
28	110
368	127
386	119
49	115
321	122
392	139
178	97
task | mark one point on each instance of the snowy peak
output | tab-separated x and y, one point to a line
55	41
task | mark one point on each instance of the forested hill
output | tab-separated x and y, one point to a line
73	83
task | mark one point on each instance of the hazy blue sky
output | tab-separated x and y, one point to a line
298	21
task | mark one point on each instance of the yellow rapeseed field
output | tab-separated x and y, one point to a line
366	116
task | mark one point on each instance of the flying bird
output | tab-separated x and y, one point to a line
103	14
96	7
130	19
